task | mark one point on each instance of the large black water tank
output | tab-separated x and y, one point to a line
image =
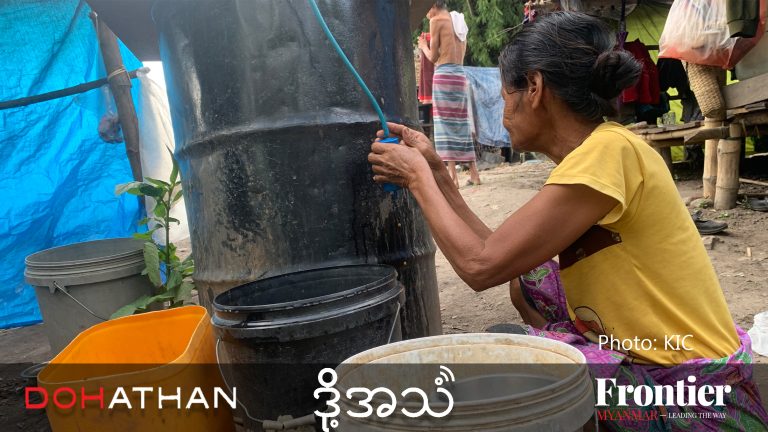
272	136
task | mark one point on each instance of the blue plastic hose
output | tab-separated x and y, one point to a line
349	66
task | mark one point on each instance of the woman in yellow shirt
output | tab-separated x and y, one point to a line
634	289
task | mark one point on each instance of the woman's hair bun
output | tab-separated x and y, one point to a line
614	71
576	56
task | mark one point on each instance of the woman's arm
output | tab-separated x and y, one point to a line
457	203
541	229
551	221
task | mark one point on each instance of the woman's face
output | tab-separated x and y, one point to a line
518	121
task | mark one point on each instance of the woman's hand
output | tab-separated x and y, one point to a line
397	164
417	140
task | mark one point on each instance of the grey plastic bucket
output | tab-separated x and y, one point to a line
82	284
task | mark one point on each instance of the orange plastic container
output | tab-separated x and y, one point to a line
171	352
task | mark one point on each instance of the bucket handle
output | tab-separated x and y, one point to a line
307	420
56	287
267	425
394	323
32	371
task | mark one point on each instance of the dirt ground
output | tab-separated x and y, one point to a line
744	280
13	416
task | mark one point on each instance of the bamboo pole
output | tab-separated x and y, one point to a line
710	160
120	84
728	169
754	182
69	91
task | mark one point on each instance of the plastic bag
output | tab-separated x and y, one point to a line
696	31
109	125
101	103
155	139
109	129
759	334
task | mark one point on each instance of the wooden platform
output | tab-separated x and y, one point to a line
747	114
668	136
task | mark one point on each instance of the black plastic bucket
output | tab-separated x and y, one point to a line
276	334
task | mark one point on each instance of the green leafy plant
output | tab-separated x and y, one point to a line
171	276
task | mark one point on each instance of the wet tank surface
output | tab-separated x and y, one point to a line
273	135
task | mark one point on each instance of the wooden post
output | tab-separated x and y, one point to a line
710	160
666	154
728	169
120	84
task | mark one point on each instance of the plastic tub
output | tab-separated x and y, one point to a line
166	349
83	284
278	333
499	383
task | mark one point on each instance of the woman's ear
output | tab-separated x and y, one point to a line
535	92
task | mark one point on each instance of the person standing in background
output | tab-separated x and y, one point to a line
450	99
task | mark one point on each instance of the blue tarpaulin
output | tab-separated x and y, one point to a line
487	106
57	177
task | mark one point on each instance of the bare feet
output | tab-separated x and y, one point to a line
452	172
474	175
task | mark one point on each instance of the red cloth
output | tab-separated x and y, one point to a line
425	77
647	89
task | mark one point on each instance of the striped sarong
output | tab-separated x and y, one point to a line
450	105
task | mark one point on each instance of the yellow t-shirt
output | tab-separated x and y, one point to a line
656	286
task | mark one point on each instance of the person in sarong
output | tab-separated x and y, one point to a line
450	97
633	287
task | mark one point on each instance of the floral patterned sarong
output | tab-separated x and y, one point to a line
743	410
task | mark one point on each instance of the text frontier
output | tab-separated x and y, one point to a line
661	395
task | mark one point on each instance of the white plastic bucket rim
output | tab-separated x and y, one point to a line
569	400
567	353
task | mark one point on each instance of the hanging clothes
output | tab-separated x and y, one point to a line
426	73
487	106
743	17
649	113
647	90
672	74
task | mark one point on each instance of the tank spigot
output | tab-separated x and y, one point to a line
389	187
